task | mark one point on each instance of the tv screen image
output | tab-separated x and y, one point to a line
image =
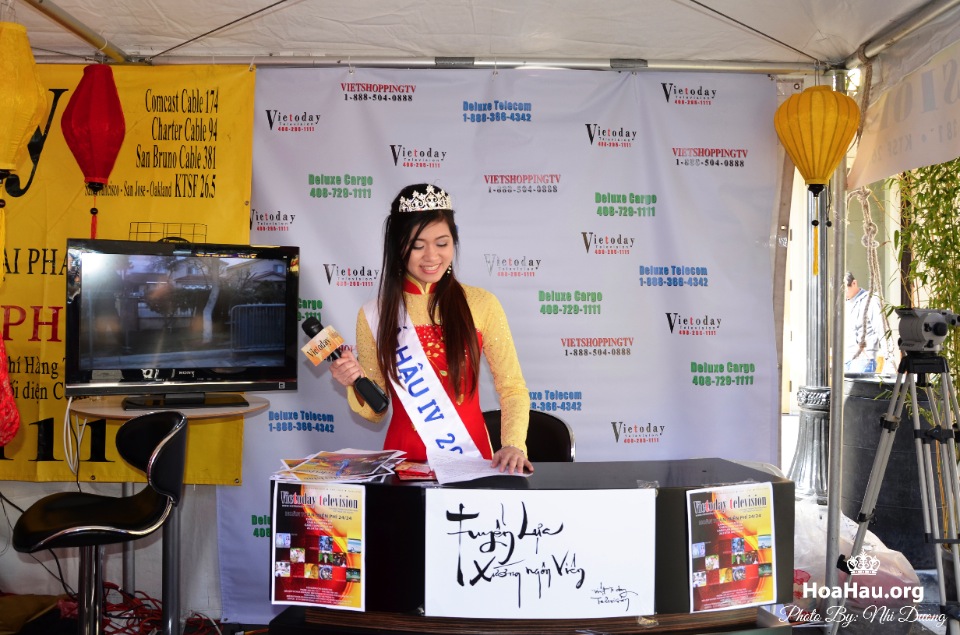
177	324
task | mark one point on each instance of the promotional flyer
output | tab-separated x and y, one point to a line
732	556
317	551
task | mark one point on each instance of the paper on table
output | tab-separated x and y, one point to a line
347	465
459	468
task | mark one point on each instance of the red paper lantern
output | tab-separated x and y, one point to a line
93	128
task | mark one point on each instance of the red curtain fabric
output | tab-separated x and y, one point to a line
9	415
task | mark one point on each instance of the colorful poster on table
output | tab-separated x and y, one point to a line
318	535
732	557
539	554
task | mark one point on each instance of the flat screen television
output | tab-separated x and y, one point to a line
173	324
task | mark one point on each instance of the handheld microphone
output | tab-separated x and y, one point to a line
323	344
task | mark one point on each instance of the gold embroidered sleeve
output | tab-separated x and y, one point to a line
367	356
501	354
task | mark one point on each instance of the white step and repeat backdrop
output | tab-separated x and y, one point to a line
622	219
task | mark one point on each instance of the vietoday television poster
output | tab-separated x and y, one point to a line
318	538
732	556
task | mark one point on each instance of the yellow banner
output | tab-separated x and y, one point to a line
183	170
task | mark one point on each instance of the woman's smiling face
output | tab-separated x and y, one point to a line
431	253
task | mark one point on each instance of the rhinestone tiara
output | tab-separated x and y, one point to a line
432	199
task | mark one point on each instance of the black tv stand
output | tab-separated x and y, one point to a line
186	400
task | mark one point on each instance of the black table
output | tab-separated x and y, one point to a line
395	517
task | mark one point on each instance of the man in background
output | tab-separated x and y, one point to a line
864	331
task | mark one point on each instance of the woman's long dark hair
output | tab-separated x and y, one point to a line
448	306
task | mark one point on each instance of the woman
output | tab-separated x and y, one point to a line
438	330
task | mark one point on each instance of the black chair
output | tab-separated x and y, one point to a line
154	443
549	438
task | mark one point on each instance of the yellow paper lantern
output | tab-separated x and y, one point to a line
23	102
816	127
23	99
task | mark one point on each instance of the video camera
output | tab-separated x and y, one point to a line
923	330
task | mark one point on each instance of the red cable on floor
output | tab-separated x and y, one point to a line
137	614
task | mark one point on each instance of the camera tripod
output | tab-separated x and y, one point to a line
915	370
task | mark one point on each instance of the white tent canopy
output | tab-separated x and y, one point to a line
892	38
727	34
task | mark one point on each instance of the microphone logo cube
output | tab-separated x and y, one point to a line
322	345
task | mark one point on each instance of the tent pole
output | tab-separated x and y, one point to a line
889	37
81	30
838	305
598	64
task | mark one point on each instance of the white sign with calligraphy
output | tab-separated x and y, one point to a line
539	554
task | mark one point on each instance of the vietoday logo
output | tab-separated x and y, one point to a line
680	324
631	433
511	267
417	157
609	136
300	121
614	244
688	95
341	276
277	221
